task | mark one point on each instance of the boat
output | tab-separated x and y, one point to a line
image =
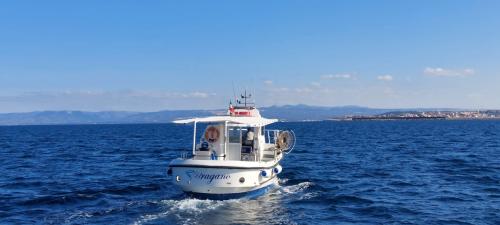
234	157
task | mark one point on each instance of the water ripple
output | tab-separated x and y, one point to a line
366	172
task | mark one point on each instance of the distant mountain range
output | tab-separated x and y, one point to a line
284	113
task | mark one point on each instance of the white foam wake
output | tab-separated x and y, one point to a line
293	189
300	191
190	211
189	207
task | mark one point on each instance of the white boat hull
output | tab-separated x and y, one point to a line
224	179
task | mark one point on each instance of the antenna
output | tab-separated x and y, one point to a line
234	93
245	97
253	91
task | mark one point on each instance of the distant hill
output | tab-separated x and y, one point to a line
61	117
113	117
284	113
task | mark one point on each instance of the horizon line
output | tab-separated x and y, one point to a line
285	105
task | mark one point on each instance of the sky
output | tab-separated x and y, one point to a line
166	55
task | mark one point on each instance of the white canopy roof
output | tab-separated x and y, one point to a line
244	121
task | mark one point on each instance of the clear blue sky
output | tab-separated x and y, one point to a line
155	55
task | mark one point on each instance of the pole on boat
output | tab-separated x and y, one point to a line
225	139
194	138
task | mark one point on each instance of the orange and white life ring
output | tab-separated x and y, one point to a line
212	134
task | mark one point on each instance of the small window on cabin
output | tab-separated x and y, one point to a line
234	135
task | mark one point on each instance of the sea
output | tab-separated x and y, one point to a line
340	172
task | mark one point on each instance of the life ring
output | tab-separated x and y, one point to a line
212	134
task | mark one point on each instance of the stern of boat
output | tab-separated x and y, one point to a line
201	179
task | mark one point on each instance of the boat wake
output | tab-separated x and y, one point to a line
185	211
257	210
300	191
297	188
191	205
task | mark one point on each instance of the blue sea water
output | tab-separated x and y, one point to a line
359	172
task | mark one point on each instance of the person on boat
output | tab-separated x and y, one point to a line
249	137
204	145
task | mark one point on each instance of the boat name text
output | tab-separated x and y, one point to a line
205	176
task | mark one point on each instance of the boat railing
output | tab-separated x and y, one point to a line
185	155
272	136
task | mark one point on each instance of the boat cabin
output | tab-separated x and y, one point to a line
238	136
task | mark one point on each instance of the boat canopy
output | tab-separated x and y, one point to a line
242	121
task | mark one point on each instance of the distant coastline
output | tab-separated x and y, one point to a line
397	118
431	115
290	113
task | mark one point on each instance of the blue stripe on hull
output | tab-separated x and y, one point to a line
249	194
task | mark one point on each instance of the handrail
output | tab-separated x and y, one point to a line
275	136
185	155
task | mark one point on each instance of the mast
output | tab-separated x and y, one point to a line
245	97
